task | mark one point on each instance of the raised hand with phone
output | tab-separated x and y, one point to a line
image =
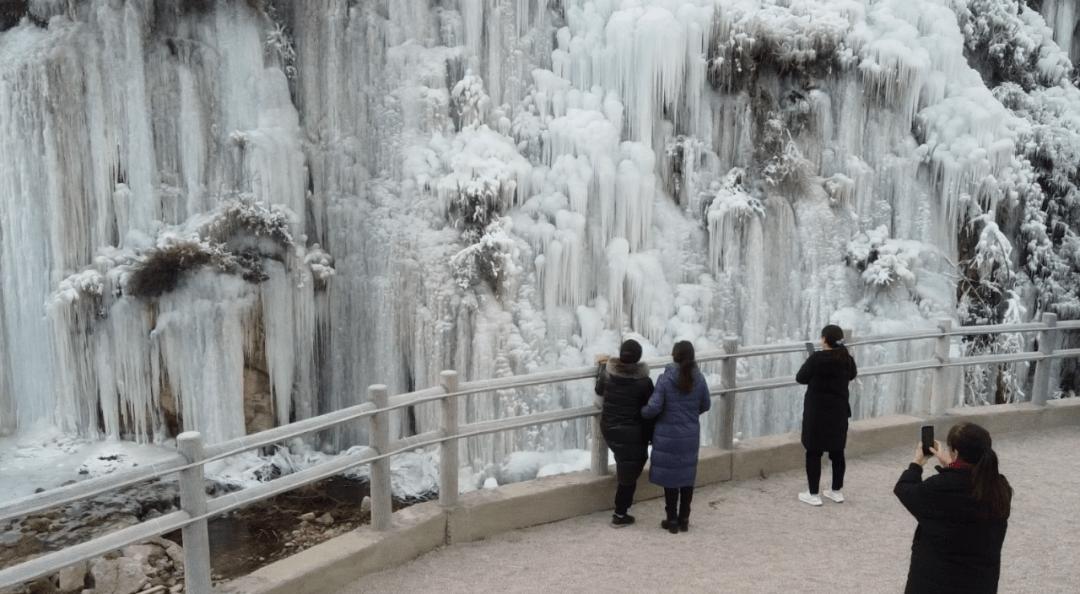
962	510
826	409
928	446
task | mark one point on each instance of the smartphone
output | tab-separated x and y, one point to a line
927	439
810	348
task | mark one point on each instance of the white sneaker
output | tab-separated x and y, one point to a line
808	498
836	496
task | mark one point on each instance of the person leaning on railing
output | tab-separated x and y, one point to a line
625	385
963	514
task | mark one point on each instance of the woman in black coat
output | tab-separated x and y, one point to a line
826	410
963	513
625	386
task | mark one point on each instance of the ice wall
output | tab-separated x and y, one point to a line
1063	17
124	128
502	187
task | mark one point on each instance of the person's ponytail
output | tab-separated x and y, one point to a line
989	489
683	354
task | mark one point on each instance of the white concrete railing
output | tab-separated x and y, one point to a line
196	509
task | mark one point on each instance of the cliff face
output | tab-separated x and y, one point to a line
292	201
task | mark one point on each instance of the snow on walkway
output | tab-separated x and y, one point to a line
754	536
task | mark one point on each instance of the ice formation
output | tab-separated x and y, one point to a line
351	193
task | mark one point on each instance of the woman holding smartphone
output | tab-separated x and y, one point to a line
963	513
826	410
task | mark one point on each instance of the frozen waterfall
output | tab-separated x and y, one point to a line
225	215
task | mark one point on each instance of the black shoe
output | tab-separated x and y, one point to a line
671	526
618	521
684	525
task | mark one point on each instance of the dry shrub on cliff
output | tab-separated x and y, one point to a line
161	269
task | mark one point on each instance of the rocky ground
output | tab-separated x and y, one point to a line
241	541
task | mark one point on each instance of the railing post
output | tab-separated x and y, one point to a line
853	387
448	449
599	449
193	501
940	388
1048	340
725	437
381	502
599	444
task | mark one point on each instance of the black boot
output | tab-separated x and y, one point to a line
671	506
686	495
671	524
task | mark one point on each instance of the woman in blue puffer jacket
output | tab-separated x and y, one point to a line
681	395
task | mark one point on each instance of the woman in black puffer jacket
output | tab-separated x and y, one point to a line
826	409
625	386
963	513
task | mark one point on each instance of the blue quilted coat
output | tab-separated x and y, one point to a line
678	433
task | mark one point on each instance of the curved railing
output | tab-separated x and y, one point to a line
192	456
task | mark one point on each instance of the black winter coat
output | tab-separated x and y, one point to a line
825	406
954	551
625	388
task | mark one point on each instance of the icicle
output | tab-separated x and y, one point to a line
199	335
280	339
618	253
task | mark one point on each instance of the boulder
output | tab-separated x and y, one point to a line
119	576
73	578
174	551
365	504
145	553
325	519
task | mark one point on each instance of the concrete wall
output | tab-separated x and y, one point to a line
482	514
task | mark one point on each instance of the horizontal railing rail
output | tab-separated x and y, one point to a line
189	463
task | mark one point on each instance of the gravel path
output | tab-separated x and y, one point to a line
754	536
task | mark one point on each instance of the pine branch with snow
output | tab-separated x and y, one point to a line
490	259
1009	42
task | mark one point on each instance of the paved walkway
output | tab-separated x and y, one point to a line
754	536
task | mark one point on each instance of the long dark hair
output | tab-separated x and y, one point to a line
989	489
834	337
683	354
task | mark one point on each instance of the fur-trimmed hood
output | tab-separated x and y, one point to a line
631	370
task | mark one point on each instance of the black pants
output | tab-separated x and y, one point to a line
677	502
813	469
627	472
